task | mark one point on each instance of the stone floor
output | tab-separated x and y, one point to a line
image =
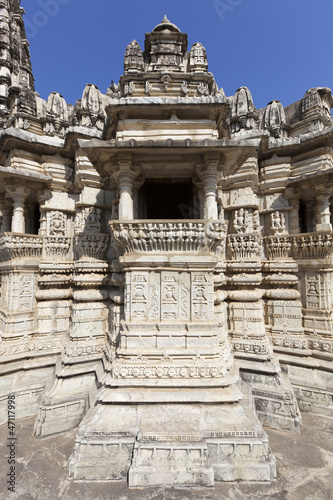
305	470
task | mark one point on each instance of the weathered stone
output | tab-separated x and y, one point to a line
165	264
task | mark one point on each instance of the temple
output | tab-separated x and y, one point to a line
166	265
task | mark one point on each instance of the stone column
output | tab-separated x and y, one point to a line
136	188
293	198
7	211
19	194
126	178
209	178
323	209
42	197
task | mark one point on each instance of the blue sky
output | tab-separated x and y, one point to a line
277	48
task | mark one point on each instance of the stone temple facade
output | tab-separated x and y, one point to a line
166	265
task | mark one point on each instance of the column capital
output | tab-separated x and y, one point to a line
212	158
17	191
322	191
125	161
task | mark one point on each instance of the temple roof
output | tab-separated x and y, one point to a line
166	25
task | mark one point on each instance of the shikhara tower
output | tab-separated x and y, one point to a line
165	263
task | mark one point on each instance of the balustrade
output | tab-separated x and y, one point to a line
20	246
169	236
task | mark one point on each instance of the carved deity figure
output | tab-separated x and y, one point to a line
88	220
57	224
278	224
242	221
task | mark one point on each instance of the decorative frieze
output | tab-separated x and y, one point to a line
56	247
156	236
16	246
159	372
312	245
91	246
278	247
245	246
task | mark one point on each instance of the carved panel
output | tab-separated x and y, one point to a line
247	319
88	220
19	292
154	297
56	223
285	316
139	296
169	296
312	296
202	297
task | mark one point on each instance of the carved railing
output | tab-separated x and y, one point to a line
56	247
92	246
20	246
312	245
245	246
169	236
278	246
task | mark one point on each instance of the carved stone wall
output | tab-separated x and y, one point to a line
169	343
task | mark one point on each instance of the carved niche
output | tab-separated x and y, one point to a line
89	241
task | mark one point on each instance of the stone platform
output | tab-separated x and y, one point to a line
304	466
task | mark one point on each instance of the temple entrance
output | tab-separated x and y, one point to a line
166	200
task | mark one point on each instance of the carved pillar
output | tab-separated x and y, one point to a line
7	211
209	178
293	198
323	209
126	178
42	197
19	195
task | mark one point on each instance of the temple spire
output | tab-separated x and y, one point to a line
16	79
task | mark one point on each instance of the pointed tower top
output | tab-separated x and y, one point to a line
15	67
166	25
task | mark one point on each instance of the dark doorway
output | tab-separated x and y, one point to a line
166	200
